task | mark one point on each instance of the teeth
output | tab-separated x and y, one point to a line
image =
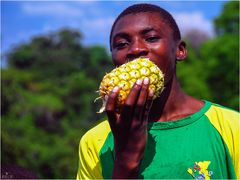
125	77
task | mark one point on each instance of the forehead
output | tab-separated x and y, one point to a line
141	21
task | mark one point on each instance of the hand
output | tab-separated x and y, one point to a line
129	128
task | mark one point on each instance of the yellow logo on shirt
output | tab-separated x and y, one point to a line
200	170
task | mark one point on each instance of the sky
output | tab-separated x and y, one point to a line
23	20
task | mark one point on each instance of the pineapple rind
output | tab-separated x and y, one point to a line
126	75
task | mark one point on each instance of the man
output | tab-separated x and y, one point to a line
174	136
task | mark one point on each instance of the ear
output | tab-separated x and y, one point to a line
181	52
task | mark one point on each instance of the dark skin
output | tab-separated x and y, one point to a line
145	35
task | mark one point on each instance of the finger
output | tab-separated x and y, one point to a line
139	108
131	98
149	100
127	109
148	105
134	93
142	98
111	105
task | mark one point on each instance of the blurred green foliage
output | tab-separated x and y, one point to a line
49	87
47	102
212	71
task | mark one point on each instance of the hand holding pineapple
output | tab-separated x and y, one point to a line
130	126
130	90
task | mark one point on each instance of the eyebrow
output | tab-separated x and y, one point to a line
146	30
126	35
121	34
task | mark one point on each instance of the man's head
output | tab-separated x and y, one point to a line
150	32
140	8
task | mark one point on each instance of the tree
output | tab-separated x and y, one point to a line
221	56
211	70
47	102
193	76
228	21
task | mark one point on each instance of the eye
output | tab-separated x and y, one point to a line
152	39
120	44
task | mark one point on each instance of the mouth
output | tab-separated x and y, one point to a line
128	59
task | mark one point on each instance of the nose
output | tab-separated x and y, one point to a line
137	49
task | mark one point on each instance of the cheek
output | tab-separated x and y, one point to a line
161	56
164	57
118	58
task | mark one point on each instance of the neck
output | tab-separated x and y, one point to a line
173	104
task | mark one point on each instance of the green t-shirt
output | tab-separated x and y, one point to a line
202	146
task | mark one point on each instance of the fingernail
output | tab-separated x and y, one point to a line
115	89
151	93
106	97
139	82
146	81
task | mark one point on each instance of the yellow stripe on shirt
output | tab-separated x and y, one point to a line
89	147
227	123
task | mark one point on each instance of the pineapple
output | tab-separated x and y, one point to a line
126	75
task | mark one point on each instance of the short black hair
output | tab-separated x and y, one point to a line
144	7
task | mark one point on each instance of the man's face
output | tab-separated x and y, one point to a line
144	35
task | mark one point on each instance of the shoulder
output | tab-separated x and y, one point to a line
226	121
221	114
89	148
96	135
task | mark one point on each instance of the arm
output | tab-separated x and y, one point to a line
129	129
89	148
88	167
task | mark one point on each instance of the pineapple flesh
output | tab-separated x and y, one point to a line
126	75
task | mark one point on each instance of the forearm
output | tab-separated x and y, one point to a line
125	170
127	163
